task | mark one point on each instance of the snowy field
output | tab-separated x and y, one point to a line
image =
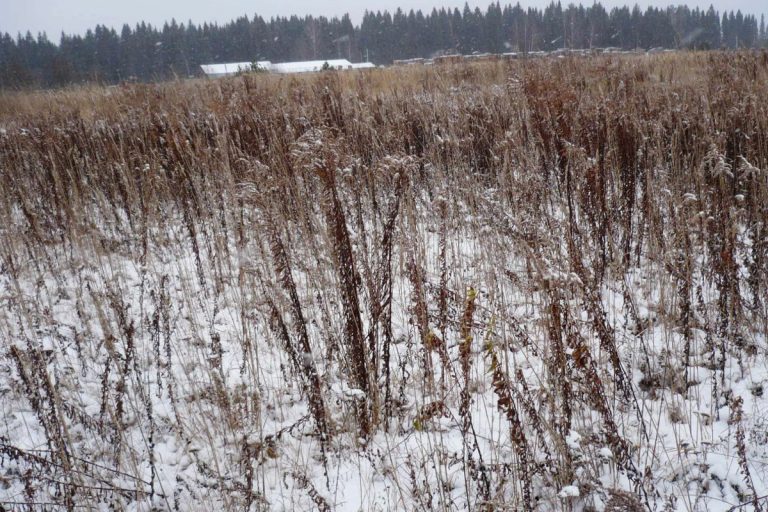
473	294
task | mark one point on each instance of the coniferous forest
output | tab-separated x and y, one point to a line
145	52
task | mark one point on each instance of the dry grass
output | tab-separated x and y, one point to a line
582	239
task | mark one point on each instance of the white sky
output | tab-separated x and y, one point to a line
76	16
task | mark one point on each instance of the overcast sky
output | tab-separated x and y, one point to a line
76	16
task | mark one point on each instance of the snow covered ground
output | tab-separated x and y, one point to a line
504	286
157	380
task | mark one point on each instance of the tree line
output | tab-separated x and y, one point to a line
145	52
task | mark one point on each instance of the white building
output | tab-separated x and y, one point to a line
309	66
363	65
232	68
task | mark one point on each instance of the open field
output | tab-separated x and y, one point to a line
530	285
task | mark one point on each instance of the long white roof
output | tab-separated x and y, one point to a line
232	68
309	65
363	65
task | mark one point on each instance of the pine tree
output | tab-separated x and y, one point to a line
146	53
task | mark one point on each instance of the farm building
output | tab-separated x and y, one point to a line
317	65
232	68
217	70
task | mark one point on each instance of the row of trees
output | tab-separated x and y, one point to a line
145	52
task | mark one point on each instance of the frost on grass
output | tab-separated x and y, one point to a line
454	288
